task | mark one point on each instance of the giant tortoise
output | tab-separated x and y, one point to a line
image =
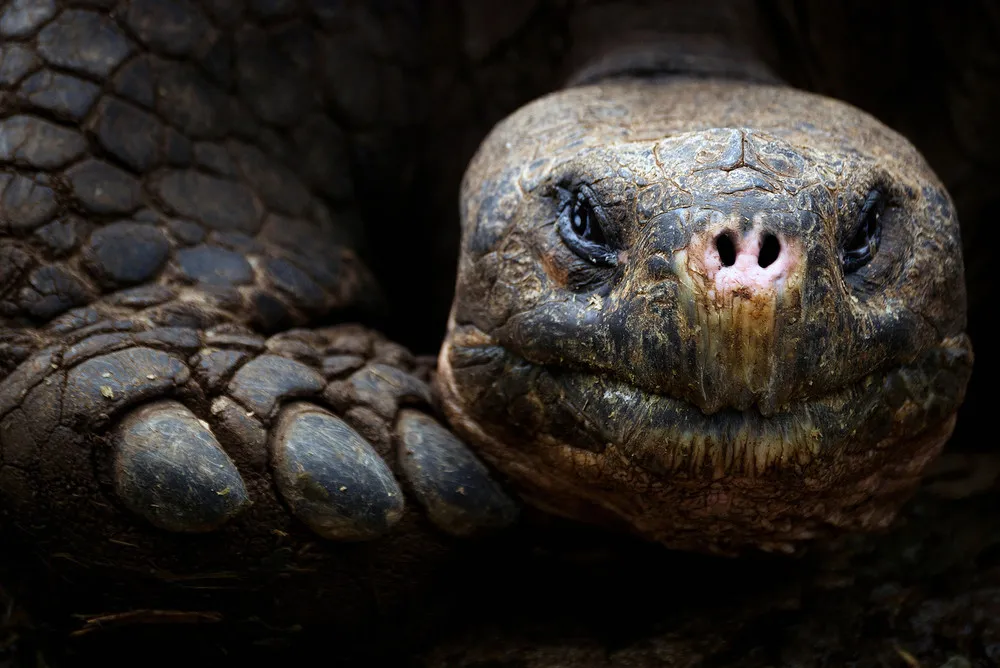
694	302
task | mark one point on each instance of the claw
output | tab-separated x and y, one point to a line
331	478
169	469
456	488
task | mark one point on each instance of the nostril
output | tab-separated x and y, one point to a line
727	250
769	250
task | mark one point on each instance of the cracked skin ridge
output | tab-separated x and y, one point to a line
164	261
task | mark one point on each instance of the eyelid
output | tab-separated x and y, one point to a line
875	197
609	231
595	205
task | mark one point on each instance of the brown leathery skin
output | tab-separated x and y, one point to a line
644	396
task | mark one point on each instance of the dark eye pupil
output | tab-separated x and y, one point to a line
871	228
862	247
581	220
863	240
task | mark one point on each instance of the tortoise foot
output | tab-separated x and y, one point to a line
321	432
331	478
169	469
452	484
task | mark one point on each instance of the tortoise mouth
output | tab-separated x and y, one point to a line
549	406
666	435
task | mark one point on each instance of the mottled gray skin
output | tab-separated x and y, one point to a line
188	409
646	394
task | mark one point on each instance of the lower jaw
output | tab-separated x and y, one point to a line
724	502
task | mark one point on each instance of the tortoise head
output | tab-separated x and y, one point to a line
717	314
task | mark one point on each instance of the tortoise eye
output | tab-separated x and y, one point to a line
581	226
863	245
583	222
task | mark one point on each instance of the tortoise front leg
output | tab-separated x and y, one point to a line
176	218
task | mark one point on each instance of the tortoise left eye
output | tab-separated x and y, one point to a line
862	247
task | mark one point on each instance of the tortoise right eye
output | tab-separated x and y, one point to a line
581	228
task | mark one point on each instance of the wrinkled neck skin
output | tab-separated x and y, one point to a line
768	345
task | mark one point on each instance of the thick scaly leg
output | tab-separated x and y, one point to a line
176	212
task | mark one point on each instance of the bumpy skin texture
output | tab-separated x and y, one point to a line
177	186
653	388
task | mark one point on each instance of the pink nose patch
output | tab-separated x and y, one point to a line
757	264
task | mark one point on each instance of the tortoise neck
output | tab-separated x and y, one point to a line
688	56
670	38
